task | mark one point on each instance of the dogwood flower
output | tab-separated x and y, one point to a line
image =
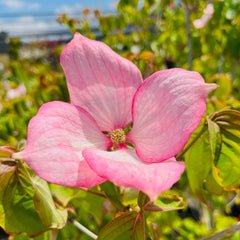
68	144
208	13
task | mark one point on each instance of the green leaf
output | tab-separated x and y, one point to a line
120	228
214	182
63	194
127	3
26	204
225	86
149	3
42	198
228	163
214	139
49	235
112	194
17	211
198	165
89	205
130	196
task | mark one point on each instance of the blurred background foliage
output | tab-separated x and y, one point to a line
199	35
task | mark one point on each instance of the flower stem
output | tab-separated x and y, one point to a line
85	230
191	143
92	192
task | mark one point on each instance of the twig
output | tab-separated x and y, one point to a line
232	202
85	230
188	27
224	233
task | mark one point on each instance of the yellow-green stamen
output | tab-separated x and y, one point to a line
118	136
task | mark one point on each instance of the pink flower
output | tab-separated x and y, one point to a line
66	143
18	92
201	22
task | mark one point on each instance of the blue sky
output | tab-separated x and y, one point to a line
26	17
52	5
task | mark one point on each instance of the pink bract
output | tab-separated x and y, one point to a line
67	144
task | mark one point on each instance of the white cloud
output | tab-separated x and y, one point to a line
12	4
18	4
24	25
77	8
34	5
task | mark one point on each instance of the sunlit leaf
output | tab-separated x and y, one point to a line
198	165
130	196
225	86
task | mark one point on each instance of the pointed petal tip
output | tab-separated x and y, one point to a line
78	35
212	86
209	87
181	167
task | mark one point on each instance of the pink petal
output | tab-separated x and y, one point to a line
167	108
123	167
209	9
100	81
56	137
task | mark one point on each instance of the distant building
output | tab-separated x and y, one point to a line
3	42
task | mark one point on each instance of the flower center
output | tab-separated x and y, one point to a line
118	136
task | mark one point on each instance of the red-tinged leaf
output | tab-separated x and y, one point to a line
119	228
143	199
139	228
6	152
164	202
